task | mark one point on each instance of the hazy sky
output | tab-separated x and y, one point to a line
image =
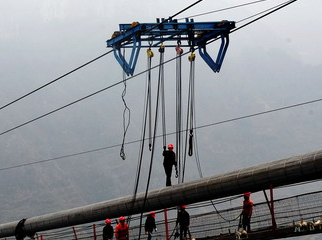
43	39
295	27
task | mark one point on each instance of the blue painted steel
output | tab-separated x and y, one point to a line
171	33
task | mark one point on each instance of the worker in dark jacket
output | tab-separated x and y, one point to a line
108	230
168	162
247	212
184	221
150	225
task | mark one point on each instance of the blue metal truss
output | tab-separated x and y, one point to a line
170	33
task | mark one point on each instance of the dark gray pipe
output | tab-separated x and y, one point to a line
279	173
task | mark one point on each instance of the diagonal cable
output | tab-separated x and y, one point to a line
55	80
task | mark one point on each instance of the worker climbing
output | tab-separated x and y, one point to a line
168	162
247	212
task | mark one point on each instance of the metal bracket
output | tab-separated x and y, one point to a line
189	34
215	65
128	67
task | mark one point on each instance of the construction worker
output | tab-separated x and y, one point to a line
108	230
184	221
169	161
150	225
247	211
122	230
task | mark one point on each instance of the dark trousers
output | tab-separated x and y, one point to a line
246	223
149	235
183	232
168	173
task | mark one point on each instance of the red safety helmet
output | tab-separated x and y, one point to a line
247	194
170	146
152	214
108	221
122	218
183	207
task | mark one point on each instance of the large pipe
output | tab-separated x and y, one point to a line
279	173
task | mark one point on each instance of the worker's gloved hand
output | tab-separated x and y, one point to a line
177	175
146	233
156	229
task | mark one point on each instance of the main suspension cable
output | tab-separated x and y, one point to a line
55	80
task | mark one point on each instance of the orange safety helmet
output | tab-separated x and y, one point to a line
122	218
247	194
108	221
170	146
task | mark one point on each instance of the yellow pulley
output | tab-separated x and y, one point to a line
192	57
150	53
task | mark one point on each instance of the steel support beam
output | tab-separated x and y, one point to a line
291	170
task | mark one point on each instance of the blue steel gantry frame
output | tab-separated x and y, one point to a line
170	33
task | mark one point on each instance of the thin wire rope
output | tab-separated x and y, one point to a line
223	9
276	8
199	127
244	19
126	117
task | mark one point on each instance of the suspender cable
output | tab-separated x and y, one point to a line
149	100
159	90
192	100
179	52
161	82
146	115
190	114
